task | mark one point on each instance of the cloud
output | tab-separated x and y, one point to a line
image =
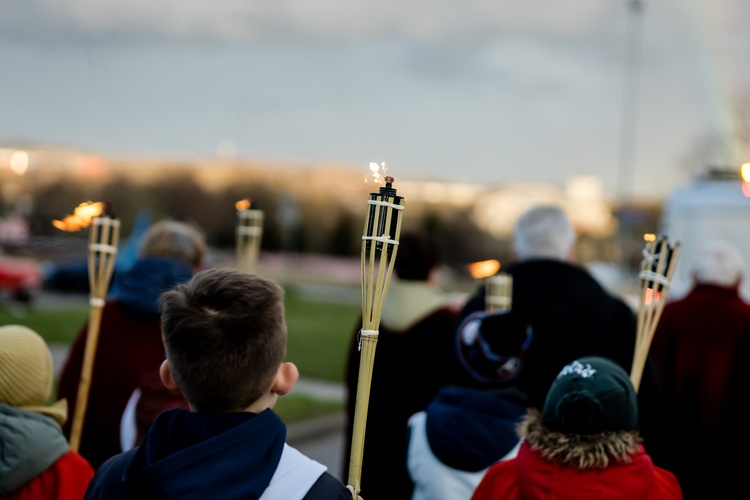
430	21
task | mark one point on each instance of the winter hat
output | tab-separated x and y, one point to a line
491	346
589	396
26	372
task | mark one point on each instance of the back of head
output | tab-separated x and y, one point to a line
418	254
26	372
225	337
544	231
175	240
719	263
491	347
591	395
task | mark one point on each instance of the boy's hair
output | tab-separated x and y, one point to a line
225	337
176	240
418	254
544	231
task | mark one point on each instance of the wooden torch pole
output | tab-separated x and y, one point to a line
249	234
656	273
379	246
103	238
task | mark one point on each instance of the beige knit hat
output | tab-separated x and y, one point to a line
26	372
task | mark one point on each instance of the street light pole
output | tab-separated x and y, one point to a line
629	121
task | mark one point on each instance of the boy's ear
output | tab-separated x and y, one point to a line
286	377
165	373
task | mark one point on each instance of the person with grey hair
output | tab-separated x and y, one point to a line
571	315
701	349
130	349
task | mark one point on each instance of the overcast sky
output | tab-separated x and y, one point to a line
490	91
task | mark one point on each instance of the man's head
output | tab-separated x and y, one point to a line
544	232
418	254
719	263
175	240
225	337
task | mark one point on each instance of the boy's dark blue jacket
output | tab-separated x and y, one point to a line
190	455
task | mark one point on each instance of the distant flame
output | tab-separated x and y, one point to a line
81	218
375	173
243	204
649	237
484	268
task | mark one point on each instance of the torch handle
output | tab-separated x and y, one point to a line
92	338
367	358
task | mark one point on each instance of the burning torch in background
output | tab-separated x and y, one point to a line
657	267
379	247
249	233
104	235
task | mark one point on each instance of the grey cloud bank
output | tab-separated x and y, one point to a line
480	91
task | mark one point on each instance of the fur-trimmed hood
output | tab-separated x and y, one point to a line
592	451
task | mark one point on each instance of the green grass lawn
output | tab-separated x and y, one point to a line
319	336
319	330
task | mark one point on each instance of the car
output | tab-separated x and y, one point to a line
20	278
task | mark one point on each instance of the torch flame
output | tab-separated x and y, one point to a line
81	218
649	237
243	204
484	268
375	174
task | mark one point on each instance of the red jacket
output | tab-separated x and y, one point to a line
128	348
66	479
529	476
701	349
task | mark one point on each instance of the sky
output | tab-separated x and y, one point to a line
490	92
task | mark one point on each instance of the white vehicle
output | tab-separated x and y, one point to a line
716	206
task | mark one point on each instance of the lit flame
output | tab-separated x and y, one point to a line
243	204
745	172
375	174
649	237
651	296
484	268
81	218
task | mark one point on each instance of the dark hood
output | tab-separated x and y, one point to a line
470	429
238	451
140	286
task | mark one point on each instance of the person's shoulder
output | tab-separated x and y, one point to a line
107	480
327	487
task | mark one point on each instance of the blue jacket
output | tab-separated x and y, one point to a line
189	455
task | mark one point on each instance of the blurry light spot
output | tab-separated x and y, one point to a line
19	162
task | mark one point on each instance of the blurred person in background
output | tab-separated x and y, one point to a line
36	461
571	316
465	430
701	348
583	444
418	319
129	348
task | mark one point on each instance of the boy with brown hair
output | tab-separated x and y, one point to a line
225	337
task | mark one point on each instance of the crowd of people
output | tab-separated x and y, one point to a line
534	401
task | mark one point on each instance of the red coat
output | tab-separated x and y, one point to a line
529	476
129	347
701	349
66	479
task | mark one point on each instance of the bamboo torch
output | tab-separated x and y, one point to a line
657	268
498	292
104	234
249	233
379	246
